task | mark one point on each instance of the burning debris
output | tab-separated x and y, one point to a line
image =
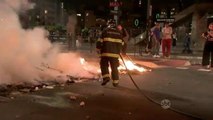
131	66
63	79
73	98
39	60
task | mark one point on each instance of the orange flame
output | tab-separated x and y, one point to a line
131	66
88	67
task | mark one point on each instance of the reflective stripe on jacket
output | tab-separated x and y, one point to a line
110	43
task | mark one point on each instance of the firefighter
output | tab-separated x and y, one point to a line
109	47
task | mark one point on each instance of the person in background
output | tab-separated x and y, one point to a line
187	43
174	39
156	40
125	35
208	48
166	40
109	47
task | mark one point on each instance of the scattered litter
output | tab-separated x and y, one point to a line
73	98
36	88
25	90
15	93
82	104
44	86
49	87
70	81
12	98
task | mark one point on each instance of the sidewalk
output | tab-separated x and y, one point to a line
178	60
192	58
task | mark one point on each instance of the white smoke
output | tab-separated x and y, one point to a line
23	51
18	5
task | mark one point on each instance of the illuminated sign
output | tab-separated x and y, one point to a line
115	4
171	20
136	22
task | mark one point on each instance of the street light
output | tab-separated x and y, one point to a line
45	11
45	16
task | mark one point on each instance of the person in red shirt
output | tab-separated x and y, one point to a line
166	40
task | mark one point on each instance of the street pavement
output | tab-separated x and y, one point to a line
187	89
85	101
187	86
180	79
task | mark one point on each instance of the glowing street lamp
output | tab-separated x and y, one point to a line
45	11
45	16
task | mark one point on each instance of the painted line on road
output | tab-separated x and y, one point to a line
204	70
182	68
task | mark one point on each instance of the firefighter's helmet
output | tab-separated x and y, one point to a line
111	23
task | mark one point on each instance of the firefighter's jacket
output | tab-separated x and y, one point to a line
110	43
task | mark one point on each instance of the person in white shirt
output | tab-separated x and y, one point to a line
166	40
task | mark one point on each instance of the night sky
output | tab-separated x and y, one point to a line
101	7
92	4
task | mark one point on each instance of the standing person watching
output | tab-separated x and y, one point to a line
208	48
109	48
156	40
166	40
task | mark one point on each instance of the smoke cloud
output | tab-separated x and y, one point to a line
24	53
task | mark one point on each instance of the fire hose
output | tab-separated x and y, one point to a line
129	73
147	97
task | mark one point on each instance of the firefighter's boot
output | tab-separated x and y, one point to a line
105	81
115	83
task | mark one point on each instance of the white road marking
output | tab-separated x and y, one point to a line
204	70
182	68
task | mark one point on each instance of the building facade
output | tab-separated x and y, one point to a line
45	13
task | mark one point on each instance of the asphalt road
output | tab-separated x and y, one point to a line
188	90
101	103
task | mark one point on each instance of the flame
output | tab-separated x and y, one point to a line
88	67
83	61
131	66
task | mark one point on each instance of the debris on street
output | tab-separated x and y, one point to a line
82	103
73	98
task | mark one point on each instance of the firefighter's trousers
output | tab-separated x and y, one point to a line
114	63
